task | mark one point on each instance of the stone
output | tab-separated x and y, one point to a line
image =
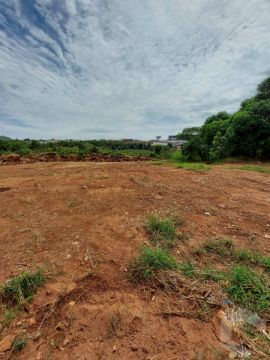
6	343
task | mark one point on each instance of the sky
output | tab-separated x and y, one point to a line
86	69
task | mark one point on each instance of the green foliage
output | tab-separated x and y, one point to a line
149	261
9	315
248	288
221	247
245	133
21	289
189	269
194	166
225	248
19	344
162	231
177	156
188	133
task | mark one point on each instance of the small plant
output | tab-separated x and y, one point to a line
221	247
194	166
9	315
149	261
19	344
248	288
21	289
213	274
162	231
188	269
225	247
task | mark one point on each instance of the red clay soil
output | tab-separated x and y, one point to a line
83	222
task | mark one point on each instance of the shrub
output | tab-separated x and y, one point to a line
222	247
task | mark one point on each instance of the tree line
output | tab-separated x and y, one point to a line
245	133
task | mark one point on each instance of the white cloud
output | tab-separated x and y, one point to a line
126	68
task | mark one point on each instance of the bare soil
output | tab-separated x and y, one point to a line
83	222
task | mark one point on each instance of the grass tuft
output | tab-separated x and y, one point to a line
249	289
21	289
149	261
188	269
19	344
225	247
162	231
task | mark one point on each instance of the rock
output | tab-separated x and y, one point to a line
114	348
6	343
72	303
267	236
232	355
207	213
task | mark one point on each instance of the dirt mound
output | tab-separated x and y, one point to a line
53	157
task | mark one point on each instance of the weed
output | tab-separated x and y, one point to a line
225	247
213	274
221	247
20	289
19	344
149	261
9	315
194	166
248	288
188	269
114	324
161	230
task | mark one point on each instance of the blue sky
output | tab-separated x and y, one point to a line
126	68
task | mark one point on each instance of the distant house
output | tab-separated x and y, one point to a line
172	138
171	141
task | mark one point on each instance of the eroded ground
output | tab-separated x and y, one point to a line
84	222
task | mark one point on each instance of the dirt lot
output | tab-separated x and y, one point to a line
84	222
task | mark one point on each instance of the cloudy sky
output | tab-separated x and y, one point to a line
126	68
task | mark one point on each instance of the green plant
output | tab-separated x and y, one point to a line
162	231
221	247
249	288
196	166
9	315
149	261
189	269
19	344
20	289
213	274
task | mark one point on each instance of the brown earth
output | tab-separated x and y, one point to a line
83	223
53	157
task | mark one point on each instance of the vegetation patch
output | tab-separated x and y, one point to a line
225	247
19	344
261	169
149	261
162	231
196	166
248	288
21	289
